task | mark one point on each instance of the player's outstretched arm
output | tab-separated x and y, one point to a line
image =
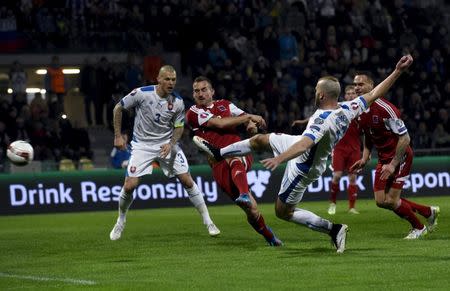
232	122
119	141
382	88
293	151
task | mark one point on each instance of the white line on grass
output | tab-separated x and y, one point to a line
36	278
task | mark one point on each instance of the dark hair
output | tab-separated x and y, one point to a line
203	78
368	75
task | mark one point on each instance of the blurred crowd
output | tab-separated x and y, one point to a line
265	56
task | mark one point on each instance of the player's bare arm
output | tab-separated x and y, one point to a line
293	151
232	122
177	134
300	122
119	141
382	88
388	169
365	158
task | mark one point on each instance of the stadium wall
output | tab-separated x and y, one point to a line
49	192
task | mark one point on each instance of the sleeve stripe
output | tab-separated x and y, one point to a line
363	101
310	136
388	108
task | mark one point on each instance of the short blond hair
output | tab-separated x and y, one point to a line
330	86
166	68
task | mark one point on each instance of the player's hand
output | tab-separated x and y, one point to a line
165	150
260	122
358	166
404	63
119	142
387	171
270	163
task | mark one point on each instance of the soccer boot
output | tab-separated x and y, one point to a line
353	211
207	147
116	232
416	233
274	241
433	219
332	209
244	201
212	229
338	235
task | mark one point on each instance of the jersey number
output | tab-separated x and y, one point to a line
157	118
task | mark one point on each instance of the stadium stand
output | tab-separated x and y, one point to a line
262	55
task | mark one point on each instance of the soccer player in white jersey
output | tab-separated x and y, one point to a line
158	125
306	155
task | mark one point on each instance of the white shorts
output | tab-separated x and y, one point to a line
294	182
142	156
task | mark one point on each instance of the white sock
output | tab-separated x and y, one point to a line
237	149
125	201
196	198
311	220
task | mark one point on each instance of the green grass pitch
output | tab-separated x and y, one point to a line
169	249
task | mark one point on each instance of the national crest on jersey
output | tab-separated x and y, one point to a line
155	117
197	118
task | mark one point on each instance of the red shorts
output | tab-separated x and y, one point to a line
222	175
344	159
398	178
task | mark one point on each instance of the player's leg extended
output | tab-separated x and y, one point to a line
334	190
256	220
125	200
352	193
337	232
196	198
431	213
259	142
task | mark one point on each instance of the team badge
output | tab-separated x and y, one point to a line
354	105
132	169
170	105
375	119
221	108
133	92
203	115
318	121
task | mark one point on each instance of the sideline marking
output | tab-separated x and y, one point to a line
36	278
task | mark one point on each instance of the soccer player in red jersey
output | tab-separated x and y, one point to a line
384	129
216	122
344	155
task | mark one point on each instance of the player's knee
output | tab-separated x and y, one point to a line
283	214
384	204
259	141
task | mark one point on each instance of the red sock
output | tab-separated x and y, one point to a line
260	226
405	211
423	210
239	176
334	191
352	194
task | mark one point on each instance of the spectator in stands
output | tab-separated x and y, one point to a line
422	137
288	46
55	85
441	138
88	86
104	89
18	82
